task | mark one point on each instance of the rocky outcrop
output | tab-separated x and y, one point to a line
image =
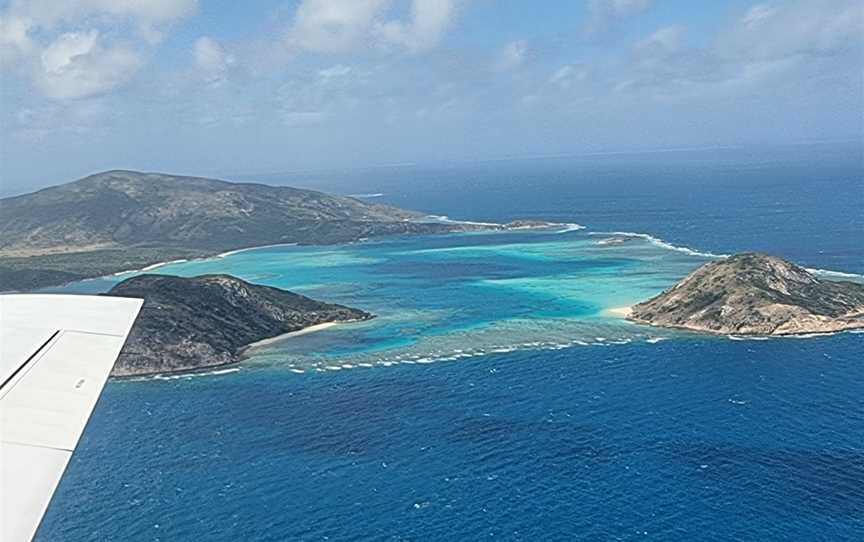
755	294
529	225
194	323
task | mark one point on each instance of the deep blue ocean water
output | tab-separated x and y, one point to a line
589	429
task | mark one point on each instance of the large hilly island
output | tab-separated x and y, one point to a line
194	323
119	220
756	294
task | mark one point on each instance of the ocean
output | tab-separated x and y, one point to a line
496	396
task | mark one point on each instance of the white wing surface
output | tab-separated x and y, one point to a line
56	352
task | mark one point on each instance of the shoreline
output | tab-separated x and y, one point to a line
246	249
231	367
859	330
243	352
619	312
157	265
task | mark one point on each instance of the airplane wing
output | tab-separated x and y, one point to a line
56	352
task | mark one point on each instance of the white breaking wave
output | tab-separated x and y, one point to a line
459	354
692	252
791	336
366	196
571	227
183	376
663	244
829	273
814	335
446	219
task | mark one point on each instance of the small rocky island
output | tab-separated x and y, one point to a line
755	294
194	323
529	225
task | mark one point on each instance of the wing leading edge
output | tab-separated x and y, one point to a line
56	352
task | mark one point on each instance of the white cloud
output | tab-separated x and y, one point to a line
811	27
567	76
211	60
335	72
339	26
15	40
319	96
349	27
332	26
659	47
765	44
664	40
149	17
512	55
758	13
561	74
34	124
736	78
78	64
430	19
70	49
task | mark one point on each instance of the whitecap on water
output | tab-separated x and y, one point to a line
662	244
188	376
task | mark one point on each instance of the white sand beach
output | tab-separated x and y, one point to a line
618	312
277	338
246	249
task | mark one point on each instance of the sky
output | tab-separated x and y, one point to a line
222	88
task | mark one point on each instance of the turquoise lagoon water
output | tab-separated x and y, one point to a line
443	298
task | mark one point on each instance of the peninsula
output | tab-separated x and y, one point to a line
755	294
189	324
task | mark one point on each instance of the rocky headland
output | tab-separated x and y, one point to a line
755	294
189	324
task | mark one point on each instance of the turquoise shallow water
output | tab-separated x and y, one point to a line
450	297
573	425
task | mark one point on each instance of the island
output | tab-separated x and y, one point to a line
123	220
755	294
615	240
190	324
